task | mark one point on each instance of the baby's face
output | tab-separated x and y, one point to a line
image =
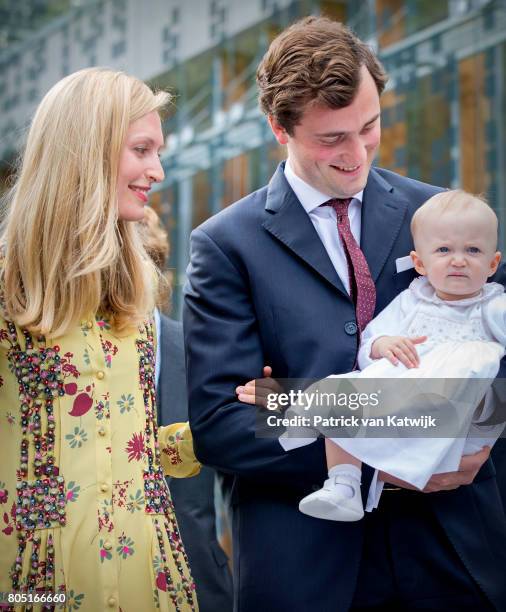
456	253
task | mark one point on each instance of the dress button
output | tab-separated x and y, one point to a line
89	324
101	431
108	545
104	488
100	375
111	602
350	328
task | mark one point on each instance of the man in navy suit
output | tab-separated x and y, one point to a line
268	283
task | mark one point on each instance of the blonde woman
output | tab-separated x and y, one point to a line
86	511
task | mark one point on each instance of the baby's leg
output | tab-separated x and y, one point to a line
338	456
339	499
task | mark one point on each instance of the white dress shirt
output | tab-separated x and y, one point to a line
325	222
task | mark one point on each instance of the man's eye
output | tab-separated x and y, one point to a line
332	141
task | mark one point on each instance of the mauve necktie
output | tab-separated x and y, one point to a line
362	289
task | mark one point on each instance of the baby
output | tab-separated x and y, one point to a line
449	323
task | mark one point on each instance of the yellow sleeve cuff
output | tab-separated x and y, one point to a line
176	451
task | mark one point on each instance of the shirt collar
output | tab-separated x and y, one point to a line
308	196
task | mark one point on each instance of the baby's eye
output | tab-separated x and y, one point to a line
443	249
473	250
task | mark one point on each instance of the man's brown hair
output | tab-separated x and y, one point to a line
315	60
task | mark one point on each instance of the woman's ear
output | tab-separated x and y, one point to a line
417	262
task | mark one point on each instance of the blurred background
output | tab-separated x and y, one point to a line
444	110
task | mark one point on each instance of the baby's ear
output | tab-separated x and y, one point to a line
417	262
494	263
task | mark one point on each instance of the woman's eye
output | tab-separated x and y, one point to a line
141	150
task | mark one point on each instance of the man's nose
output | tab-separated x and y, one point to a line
355	152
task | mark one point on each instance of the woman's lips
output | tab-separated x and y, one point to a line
140	193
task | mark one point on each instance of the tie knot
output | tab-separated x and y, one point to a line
340	205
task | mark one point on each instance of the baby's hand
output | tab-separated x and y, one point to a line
259	391
398	349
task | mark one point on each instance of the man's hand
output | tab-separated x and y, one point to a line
469	466
398	349
257	391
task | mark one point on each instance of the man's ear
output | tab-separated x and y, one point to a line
494	263
278	131
417	262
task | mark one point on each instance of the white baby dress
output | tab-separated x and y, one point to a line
466	340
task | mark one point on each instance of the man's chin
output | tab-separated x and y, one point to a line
347	189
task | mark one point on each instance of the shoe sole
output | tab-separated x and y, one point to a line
321	509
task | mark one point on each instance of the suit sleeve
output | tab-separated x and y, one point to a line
223	350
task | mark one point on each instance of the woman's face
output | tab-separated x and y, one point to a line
139	166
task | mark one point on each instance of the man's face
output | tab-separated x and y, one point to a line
333	149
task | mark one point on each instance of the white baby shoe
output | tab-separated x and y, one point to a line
334	501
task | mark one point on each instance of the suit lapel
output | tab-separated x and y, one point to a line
291	225
383	213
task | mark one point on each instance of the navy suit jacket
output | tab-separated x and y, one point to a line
262	290
193	497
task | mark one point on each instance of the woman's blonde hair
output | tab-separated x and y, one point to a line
66	253
156	243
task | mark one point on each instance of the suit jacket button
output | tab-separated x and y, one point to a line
350	328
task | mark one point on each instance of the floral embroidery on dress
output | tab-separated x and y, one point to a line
105	554
172	452
126	403
104	516
136	502
83	400
135	447
72	491
77	438
4	494
68	368
9	518
103	323
119	492
110	350
74	600
126	546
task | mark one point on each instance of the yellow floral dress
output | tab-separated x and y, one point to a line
84	505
